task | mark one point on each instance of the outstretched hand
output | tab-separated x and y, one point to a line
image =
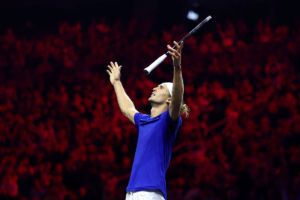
176	53
114	72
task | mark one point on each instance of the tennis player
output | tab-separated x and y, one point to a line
156	132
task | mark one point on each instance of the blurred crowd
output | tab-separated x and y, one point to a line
62	135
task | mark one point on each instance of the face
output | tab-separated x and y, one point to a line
160	95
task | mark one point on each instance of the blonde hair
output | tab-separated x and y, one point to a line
185	110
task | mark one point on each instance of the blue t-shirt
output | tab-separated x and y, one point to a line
153	152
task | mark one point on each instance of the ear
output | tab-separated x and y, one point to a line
168	101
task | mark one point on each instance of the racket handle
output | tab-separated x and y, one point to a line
153	65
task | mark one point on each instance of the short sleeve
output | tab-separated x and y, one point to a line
137	117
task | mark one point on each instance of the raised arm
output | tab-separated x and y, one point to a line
126	105
178	87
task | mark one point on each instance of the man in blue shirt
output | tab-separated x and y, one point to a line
156	132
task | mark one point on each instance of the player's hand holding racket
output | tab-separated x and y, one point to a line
175	53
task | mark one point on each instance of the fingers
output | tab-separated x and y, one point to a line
173	52
114	66
109	73
178	46
109	67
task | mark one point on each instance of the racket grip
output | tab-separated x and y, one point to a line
153	65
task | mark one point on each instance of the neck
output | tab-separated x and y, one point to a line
157	109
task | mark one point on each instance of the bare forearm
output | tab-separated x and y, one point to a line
124	101
178	87
178	90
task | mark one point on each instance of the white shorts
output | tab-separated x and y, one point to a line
144	195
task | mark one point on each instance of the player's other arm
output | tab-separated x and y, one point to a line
126	105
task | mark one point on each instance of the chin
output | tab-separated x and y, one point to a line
150	100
